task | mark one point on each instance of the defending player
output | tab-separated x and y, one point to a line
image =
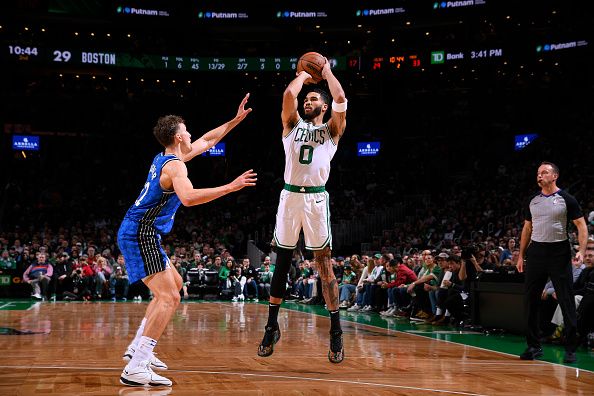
309	146
139	237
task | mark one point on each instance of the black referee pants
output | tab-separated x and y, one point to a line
544	260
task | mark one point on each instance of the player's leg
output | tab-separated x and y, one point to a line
156	363
318	237
286	235
330	292
129	246
328	279
277	293
138	372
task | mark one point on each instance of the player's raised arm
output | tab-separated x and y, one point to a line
210	138
337	123
190	196
289	114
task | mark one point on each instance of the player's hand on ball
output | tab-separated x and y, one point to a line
326	70
246	179
308	80
242	112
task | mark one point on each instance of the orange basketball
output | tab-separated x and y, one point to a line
312	62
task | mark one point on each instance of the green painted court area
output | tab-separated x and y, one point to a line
505	343
16	305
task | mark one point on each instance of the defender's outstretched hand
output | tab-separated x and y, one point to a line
246	179
242	112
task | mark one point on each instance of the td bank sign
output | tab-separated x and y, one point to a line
438	57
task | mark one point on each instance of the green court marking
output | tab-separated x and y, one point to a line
16	305
506	343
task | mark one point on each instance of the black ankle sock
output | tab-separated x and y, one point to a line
272	316
335	321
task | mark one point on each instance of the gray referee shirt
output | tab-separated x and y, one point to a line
550	215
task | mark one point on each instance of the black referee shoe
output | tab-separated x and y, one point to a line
531	353
271	337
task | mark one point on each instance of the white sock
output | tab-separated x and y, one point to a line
447	313
438	311
144	351
134	343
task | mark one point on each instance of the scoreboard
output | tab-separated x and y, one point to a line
400	61
77	57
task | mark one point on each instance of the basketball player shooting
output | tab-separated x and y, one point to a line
139	237
309	146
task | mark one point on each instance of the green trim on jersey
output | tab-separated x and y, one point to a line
304	189
280	244
292	130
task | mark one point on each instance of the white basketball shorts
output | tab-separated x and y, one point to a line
310	212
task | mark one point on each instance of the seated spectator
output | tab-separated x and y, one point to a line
119	280
62	271
452	293
7	263
378	274
356	264
419	289
102	271
196	259
225	284
508	251
360	290
251	279
39	273
266	262
216	264
442	261
347	288
238	282
302	288
401	275
265	279
87	274
80	283
109	257
315	287
478	262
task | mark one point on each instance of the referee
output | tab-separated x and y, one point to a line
545	245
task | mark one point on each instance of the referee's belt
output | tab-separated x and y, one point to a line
304	189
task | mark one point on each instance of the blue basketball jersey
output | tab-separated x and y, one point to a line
155	207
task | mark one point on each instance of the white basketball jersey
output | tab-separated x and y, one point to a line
308	152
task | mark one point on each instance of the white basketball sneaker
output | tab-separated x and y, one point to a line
143	375
156	363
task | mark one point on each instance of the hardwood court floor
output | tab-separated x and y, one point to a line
211	349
